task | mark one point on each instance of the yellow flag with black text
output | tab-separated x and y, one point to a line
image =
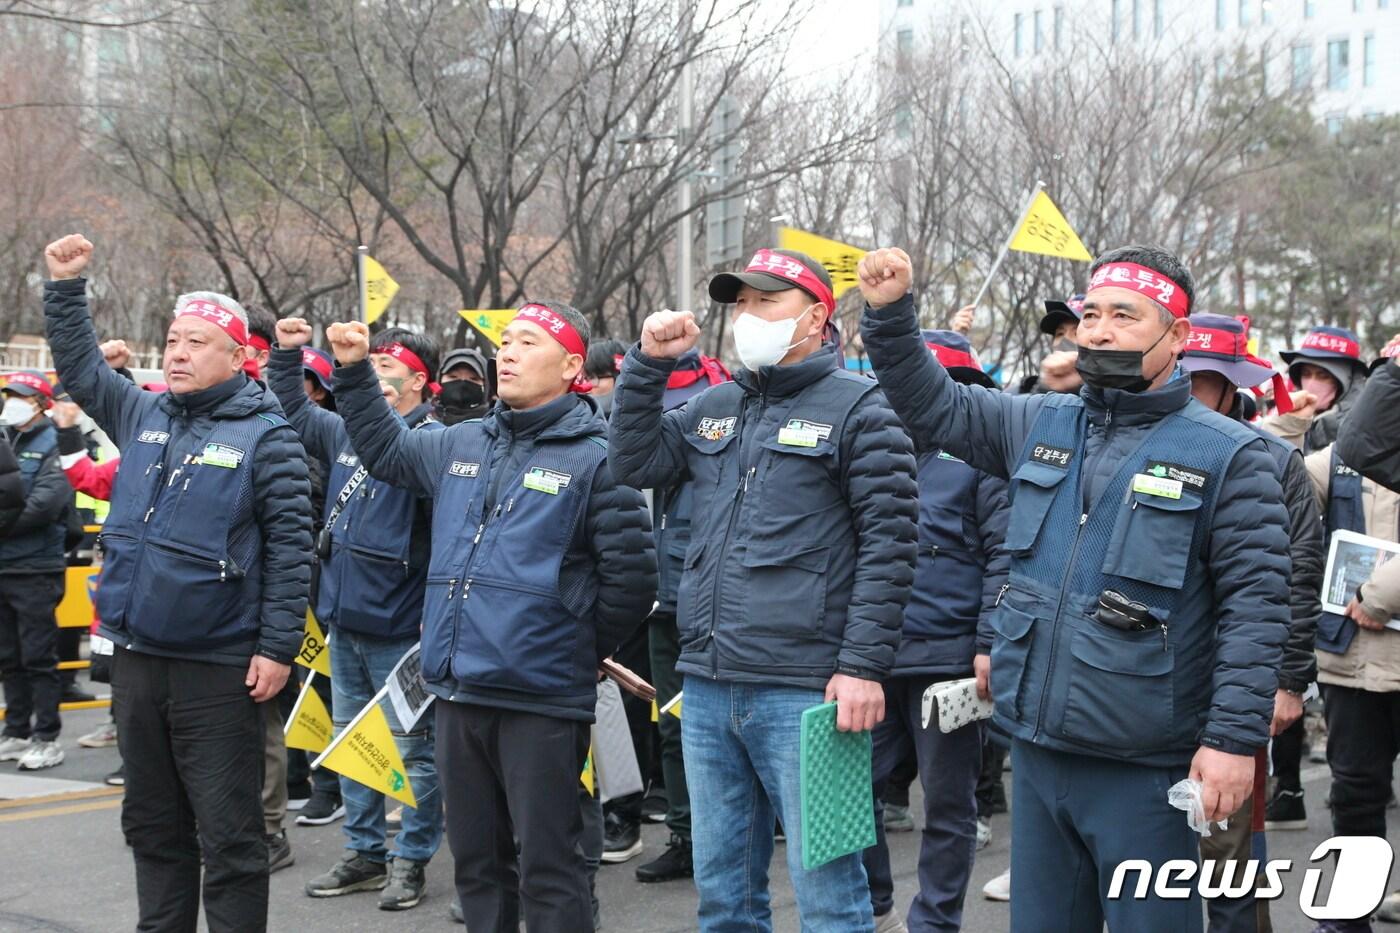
365	752
315	652
377	288
309	727
1044	230
490	321
839	259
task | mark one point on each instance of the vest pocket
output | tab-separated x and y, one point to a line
687	619
1120	690
1033	488
209	609
439	626
372	592
517	637
1152	538
1334	633
786	588
1010	650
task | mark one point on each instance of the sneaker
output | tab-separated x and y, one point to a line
897	819
454	910
104	736
1286	811
323	808
405	887
41	755
672	865
779	834
279	851
352	873
999	888
117	778
622	840
654	806
984	833
1389	911
298	795
12	747
890	922
393	820
72	693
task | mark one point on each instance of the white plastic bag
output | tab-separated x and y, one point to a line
1186	795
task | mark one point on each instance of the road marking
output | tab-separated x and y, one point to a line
56	798
59	811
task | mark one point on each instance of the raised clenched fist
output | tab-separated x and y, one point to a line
292	333
65	414
116	353
68	257
962	321
349	341
668	334
885	276
1304	404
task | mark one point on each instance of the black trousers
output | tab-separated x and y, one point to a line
29	653
191	740
1287	756
506	776
1363	739
665	650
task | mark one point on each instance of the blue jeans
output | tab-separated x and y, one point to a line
741	746
360	665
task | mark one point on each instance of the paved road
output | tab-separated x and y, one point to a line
65	868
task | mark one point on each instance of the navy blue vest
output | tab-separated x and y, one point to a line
368	585
1344	513
182	552
1062	679
40	546
494	615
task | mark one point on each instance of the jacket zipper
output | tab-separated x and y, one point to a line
1055	626
740	488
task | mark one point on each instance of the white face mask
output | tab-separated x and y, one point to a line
16	412
761	343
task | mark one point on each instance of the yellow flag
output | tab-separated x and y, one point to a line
314	652
587	776
365	753
1045	230
377	289
840	259
655	713
309	727
490	321
673	706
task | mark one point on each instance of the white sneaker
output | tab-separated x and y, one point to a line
1390	908
984	833
104	736
999	888
891	922
41	755
12	748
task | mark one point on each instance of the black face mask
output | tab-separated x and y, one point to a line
461	400
1117	369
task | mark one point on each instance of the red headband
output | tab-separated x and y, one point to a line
1332	343
259	344
950	357
410	359
563	333
1150	282
221	317
32	381
1222	343
786	267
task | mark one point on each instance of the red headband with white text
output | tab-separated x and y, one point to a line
776	264
1149	282
221	317
562	332
410	359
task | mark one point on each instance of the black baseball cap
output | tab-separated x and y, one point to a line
724	287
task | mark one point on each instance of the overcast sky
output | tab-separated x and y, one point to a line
836	32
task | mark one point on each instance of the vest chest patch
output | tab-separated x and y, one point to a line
31	455
347	459
153	437
542	480
944	455
1054	456
1190	477
714	429
221	455
459	468
1344	470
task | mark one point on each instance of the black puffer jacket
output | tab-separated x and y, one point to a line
1369	439
281	491
11	487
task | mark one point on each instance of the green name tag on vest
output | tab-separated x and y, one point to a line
221	455
798	437
542	483
1156	486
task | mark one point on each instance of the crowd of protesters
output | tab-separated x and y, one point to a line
1124	553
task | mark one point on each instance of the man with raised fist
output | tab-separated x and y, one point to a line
1139	636
794	585
540	565
204	584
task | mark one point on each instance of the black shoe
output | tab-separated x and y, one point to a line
405	887
622	839
352	873
1286	811
72	693
672	865
654	806
117	778
279	851
321	809
454	911
298	795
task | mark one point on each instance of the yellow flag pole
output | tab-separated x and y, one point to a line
360	253
1006	247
